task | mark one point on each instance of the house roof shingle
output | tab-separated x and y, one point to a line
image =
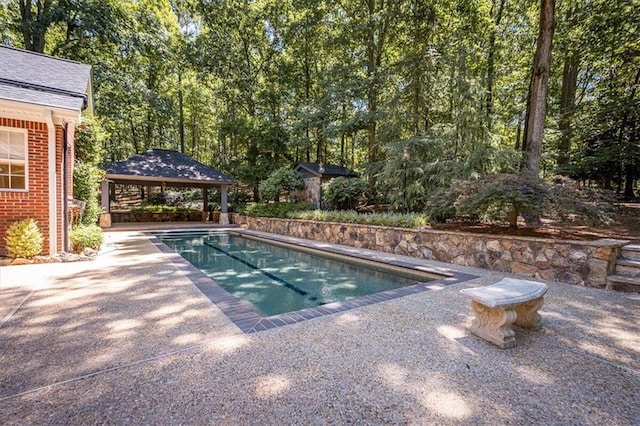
43	80
165	165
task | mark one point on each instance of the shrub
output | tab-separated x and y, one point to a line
409	220
281	181
278	210
24	239
85	236
504	196
344	193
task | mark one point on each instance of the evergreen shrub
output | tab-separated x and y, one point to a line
85	236
24	239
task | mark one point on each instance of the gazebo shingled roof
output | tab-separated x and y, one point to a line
161	166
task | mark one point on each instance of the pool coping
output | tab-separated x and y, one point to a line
249	320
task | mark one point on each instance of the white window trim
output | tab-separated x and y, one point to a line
25	133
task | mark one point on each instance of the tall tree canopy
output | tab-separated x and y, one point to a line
251	86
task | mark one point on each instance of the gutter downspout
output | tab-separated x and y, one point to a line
65	189
53	201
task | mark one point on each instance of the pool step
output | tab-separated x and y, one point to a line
631	251
627	271
628	267
623	283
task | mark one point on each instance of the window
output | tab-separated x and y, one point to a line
13	159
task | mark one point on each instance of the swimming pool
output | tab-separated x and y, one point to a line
277	279
264	283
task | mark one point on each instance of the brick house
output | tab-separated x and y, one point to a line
41	101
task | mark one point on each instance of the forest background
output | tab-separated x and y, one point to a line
413	93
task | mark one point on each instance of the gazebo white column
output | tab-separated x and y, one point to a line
224	215
105	216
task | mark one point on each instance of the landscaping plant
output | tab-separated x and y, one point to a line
400	220
85	236
504	197
24	239
344	193
277	210
282	181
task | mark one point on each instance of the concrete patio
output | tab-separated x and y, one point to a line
128	339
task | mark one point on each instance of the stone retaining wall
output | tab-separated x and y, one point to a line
585	263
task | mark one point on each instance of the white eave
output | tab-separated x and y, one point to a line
34	112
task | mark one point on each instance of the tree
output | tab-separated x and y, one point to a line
537	103
86	172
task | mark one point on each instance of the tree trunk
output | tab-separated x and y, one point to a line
567	102
629	180
537	105
181	113
630	162
34	29
491	62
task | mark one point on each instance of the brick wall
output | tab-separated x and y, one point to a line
34	203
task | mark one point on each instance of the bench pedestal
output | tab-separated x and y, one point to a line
498	306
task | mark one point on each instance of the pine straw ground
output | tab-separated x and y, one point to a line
626	226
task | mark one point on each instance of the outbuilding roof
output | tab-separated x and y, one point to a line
165	166
313	169
44	80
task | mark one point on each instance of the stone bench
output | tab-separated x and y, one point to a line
497	306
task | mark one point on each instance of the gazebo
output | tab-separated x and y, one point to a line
162	167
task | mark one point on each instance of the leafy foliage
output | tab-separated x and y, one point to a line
503	197
344	193
277	210
410	220
284	180
87	175
85	236
86	179
249	87
24	239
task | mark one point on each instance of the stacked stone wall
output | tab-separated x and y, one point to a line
585	263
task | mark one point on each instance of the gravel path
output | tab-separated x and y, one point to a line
128	339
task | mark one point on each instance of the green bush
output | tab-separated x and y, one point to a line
344	193
278	210
410	220
281	181
85	236
503	197
24	239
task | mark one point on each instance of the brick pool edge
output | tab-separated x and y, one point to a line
585	263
